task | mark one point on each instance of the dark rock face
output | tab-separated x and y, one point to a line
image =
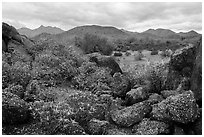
183	58
120	85
14	110
4	47
131	115
181	62
105	61
196	78
136	95
181	108
9	33
151	127
185	70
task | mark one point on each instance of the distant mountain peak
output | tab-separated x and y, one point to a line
42	29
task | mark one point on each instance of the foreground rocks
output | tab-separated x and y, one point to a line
14	110
196	77
181	108
186	63
130	115
151	127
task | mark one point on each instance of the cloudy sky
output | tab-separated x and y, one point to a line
130	16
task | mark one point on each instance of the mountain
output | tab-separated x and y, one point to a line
111	33
108	32
163	33
42	29
190	34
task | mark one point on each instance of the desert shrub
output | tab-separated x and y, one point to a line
156	75
16	89
93	43
118	54
155	52
5	74
20	73
136	73
56	67
138	56
92	77
50	116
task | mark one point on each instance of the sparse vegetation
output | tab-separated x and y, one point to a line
93	43
51	89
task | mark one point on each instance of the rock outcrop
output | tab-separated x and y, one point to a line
185	70
180	108
196	77
130	115
105	61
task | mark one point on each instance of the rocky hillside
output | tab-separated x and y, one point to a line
42	29
50	89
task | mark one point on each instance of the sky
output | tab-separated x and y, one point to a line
132	16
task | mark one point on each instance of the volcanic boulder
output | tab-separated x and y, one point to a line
180	108
130	115
105	61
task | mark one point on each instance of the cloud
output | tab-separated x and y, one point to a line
131	16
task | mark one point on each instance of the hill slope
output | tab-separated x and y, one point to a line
102	31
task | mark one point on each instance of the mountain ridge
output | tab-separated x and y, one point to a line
42	29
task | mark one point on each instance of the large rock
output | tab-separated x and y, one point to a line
120	85
186	63
136	95
9	33
14	110
181	108
4	47
130	115
183	58
151	127
105	61
196	78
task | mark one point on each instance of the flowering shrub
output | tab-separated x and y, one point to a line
153	74
5	74
92	77
19	73
156	75
53	69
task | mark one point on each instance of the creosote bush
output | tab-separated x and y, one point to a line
93	43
